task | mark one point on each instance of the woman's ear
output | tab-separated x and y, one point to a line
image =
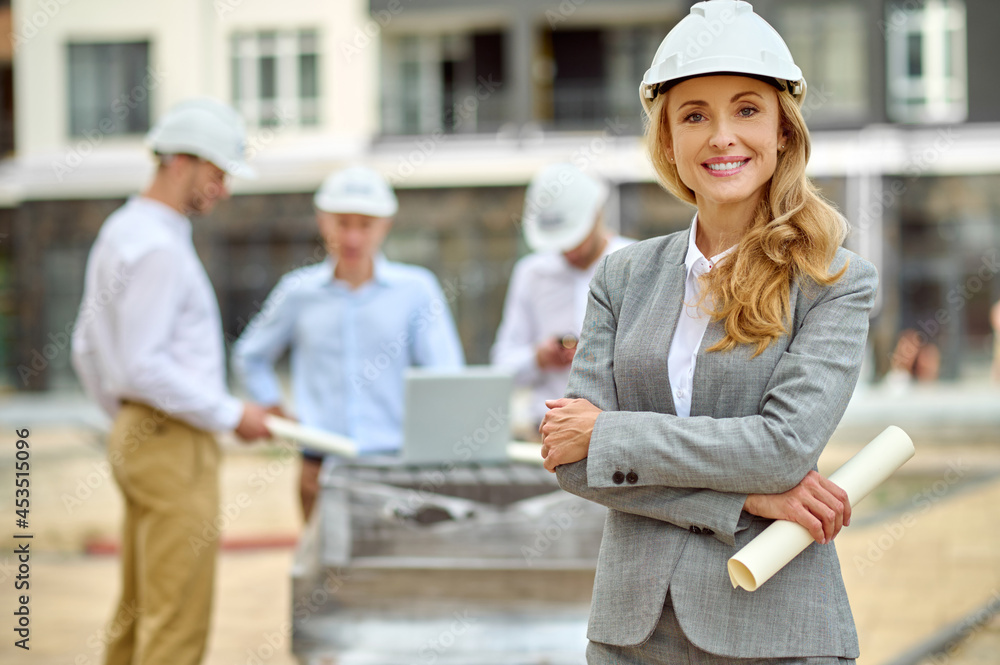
784	137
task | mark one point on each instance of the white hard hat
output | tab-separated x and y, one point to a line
204	128
560	208
721	36
358	190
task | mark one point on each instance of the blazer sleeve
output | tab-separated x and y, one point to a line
592	379
768	452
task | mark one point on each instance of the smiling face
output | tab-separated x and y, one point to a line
725	134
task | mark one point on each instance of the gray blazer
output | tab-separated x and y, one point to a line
676	486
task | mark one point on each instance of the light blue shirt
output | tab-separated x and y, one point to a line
349	347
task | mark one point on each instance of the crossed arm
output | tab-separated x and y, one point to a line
688	478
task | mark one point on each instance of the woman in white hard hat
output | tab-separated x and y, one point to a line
714	366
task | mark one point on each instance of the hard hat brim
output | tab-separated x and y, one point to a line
346	205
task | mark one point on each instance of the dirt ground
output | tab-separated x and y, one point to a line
909	572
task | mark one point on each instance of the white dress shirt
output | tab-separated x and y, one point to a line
547	297
149	328
691	325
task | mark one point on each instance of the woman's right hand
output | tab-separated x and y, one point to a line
817	504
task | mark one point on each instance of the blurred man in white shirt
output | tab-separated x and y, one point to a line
148	347
547	296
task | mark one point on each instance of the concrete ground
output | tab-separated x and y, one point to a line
923	553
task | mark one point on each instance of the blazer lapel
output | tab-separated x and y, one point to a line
660	323
709	372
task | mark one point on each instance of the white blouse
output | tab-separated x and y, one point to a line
691	325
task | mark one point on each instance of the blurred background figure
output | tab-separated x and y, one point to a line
353	322
547	297
148	347
995	323
914	359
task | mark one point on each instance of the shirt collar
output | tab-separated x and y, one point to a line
695	261
163	215
380	271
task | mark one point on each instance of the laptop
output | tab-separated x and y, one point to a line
457	415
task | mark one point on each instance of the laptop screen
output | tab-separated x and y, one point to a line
457	415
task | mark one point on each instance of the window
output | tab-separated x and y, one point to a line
109	88
594	76
926	61
443	82
275	78
829	42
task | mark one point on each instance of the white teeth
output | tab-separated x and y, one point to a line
726	166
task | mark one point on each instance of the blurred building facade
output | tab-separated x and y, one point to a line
459	102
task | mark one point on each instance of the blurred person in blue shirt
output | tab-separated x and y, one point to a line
354	323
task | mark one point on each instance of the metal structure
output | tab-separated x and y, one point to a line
457	563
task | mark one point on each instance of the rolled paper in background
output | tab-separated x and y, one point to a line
781	542
313	438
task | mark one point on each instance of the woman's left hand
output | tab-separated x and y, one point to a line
566	431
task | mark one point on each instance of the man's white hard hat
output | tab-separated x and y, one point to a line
717	37
561	207
205	128
358	190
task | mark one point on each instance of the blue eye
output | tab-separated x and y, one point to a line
695	117
747	111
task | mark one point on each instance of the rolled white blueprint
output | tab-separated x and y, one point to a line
315	439
781	542
526	452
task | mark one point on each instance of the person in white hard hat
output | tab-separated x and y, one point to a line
713	367
547	295
148	347
354	323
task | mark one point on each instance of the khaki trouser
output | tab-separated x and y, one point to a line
168	473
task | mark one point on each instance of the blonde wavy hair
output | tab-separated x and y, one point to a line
795	232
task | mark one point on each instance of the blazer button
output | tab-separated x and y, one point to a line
618	478
694	529
632	478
